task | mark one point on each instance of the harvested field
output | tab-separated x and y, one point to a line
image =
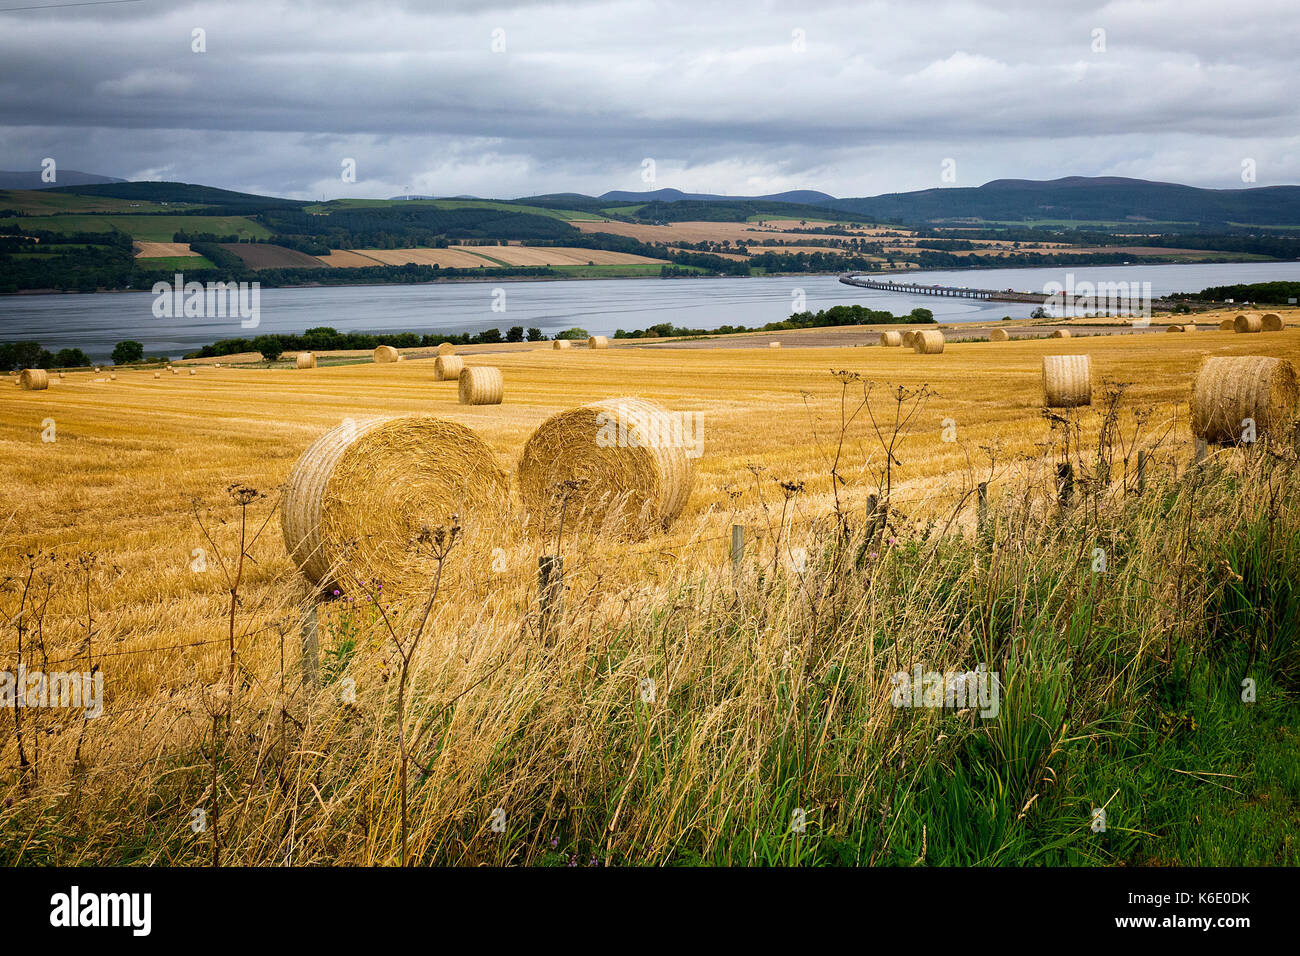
262	255
161	250
348	259
151	459
450	258
560	256
673	233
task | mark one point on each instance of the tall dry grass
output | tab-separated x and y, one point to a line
681	711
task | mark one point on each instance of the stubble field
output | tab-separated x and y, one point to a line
135	481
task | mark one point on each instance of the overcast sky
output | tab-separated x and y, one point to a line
510	99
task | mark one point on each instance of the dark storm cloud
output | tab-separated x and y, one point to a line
850	98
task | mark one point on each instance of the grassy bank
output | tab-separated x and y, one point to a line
692	716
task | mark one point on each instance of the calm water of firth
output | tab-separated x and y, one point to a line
96	322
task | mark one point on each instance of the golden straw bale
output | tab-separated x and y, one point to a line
306	360
999	335
1067	381
561	344
1231	389
34	379
384	354
447	368
1226	325
1061	334
1271	322
481	385
1248	322
446	348
623	465
361	498
891	340
597	342
927	343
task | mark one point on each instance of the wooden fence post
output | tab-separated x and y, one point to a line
1142	472
310	648
1065	483
1202	450
981	507
737	549
550	591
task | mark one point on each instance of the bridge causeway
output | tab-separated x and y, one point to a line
1091	302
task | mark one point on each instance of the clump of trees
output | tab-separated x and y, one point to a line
326	339
124	353
15	356
836	315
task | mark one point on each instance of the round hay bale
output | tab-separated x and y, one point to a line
481	385
174	371
627	457
157	374
447	368
999	335
1230	389
362	492
306	360
1226	325
774	345
597	342
446	348
1067	381
891	340
561	344
1175	328
401	358
34	379
1271	322
909	337
384	354
112	377
1061	334
927	343
194	371
1248	322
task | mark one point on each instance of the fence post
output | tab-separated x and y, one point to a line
550	590
1142	472
1201	451
737	549
310	648
981	507
1065	483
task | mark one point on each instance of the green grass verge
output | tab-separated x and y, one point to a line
174	263
149	228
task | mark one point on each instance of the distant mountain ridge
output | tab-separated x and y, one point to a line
1108	198
806	197
1070	198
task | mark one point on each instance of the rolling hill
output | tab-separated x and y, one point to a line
1104	198
23	179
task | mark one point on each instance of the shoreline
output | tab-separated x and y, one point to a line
562	278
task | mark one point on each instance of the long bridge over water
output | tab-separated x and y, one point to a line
1102	296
